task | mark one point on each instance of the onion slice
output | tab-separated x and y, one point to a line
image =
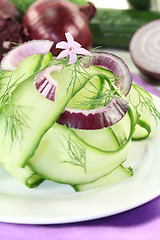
94	119
77	118
11	60
117	66
145	49
44	82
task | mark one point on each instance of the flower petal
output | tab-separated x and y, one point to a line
83	51
70	39
63	54
77	45
62	45
72	58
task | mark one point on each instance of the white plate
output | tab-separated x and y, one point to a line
54	203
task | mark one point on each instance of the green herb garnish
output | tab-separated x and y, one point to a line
75	151
15	117
145	102
15	120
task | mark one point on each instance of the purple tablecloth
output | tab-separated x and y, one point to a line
142	223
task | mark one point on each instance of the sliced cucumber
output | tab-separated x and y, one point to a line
28	66
80	156
8	83
43	151
117	175
142	130
41	112
64	157
107	139
142	116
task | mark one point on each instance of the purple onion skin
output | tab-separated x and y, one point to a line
44	84
115	110
115	65
10	29
95	119
51	19
144	49
8	9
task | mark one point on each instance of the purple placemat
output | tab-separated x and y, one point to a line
138	80
141	223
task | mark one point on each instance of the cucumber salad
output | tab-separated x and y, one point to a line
69	119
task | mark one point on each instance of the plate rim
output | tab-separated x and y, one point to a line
69	219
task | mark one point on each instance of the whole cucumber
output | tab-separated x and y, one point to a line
140	4
115	27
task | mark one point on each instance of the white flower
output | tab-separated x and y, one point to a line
72	48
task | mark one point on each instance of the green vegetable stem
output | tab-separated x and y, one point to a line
23	5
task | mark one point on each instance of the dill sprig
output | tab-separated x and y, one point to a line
75	151
145	102
98	97
7	87
78	69
15	117
15	120
77	72
97	100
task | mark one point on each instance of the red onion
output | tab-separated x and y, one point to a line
145	49
95	118
51	19
117	66
11	60
7	8
10	29
45	84
99	118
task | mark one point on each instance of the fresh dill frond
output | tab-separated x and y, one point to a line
78	69
75	151
14	43
15	120
14	115
145	102
98	97
7	87
96	101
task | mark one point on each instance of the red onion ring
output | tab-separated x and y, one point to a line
94	119
45	84
11	60
84	119
145	49
117	66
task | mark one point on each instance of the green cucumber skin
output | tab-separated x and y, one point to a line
114	28
143	126
143	131
140	4
26	68
42	113
117	175
52	162
48	160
